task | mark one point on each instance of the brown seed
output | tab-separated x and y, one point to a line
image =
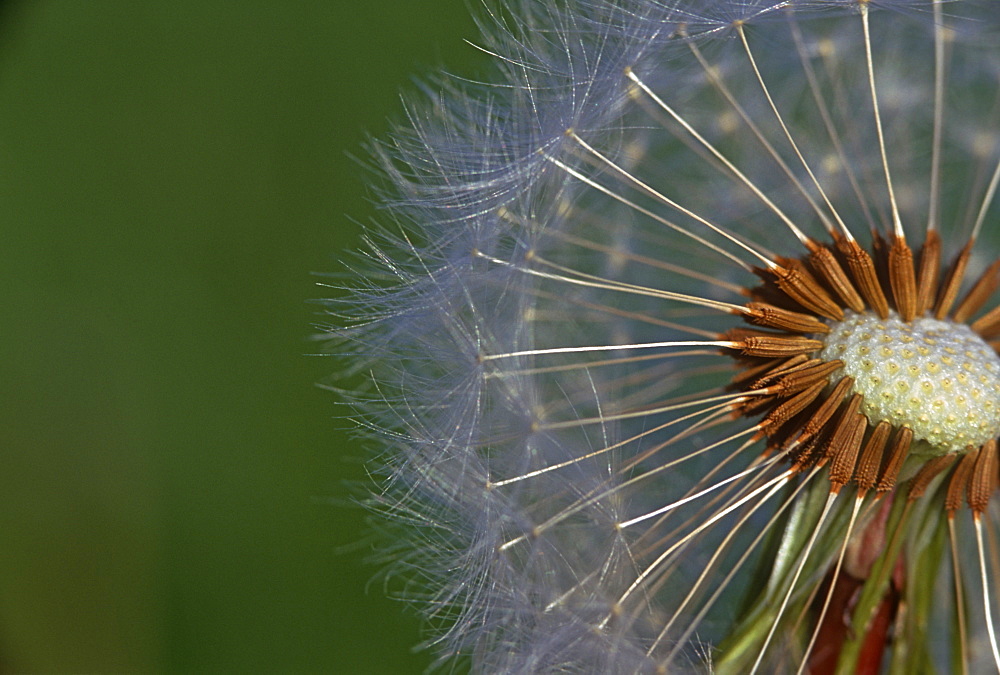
953	282
763	314
806	376
758	371
927	277
770	346
825	262
821	417
871	457
801	287
984	477
958	486
863	270
902	278
988	325
927	473
897	453
979	293
790	408
844	457
843	429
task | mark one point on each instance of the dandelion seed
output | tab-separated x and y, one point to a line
682	340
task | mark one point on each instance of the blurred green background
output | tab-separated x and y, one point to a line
171	174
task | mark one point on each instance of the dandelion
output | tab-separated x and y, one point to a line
681	340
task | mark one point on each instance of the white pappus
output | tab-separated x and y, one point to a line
679	340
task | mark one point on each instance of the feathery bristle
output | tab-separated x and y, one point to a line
679	339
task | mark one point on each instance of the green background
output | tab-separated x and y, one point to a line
171	483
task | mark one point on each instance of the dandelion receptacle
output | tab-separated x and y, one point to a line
680	339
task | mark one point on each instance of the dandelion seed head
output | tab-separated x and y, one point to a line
681	336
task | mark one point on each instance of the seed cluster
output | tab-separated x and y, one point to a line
859	354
